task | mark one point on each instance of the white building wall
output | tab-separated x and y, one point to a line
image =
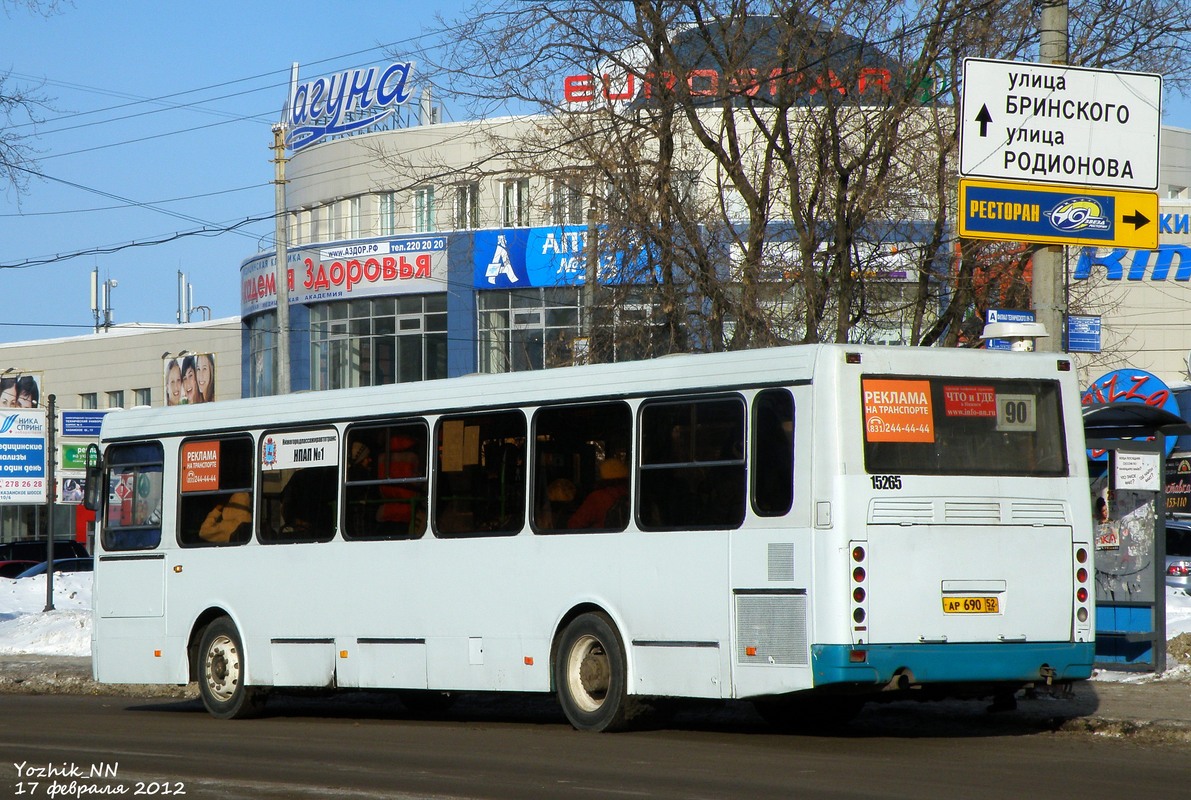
125	358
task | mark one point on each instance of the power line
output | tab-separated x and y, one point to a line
206	230
125	205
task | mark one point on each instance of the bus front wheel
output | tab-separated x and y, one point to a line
591	677
221	673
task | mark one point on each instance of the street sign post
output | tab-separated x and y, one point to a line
1024	212
1058	124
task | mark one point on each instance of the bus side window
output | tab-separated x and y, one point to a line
480	475
386	482
773	452
134	480
692	464
215	501
299	485
581	456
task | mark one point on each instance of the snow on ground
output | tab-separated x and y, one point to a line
26	628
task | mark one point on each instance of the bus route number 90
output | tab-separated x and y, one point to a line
1016	412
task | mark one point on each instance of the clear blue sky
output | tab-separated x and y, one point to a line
160	125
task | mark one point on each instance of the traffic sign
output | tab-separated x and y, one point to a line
1026	212
1054	123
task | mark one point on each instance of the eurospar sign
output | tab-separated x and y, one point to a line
620	86
844	68
347	102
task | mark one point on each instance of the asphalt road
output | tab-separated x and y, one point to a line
368	746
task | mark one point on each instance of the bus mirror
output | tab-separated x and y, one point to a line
93	491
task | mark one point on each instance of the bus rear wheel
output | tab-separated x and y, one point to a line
590	675
221	673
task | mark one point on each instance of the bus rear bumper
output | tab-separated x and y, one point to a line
919	664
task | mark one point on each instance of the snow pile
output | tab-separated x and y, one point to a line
26	628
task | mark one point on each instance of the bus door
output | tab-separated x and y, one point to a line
130	570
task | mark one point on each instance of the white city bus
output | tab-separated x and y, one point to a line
807	523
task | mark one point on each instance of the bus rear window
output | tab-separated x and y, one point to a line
962	426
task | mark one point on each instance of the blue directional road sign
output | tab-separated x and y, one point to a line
1027	212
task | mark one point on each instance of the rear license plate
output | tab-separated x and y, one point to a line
971	605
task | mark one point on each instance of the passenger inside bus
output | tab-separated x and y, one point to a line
606	505
308	504
229	521
404	506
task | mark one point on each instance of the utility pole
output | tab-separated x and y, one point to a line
591	281
1049	294
282	270
51	450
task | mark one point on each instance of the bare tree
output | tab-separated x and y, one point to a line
20	107
758	165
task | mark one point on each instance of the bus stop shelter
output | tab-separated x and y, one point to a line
1126	463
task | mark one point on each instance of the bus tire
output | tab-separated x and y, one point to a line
590	675
221	673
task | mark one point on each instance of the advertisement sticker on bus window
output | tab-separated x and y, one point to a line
200	467
1016	413
897	410
294	449
970	401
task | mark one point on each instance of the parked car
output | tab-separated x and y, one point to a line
1178	554
34	550
13	568
65	565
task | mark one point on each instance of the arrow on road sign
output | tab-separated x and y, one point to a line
1138	219
984	118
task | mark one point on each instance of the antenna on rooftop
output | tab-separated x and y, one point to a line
101	300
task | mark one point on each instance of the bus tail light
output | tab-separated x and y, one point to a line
859	594
1083	595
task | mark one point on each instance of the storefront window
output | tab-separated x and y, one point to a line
372	342
527	329
262	344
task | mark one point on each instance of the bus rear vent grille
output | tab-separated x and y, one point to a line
971	511
1025	512
894	512
771	629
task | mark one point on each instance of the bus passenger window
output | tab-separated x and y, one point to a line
215	491
581	473
134	480
386	482
480	475
692	464
299	486
773	452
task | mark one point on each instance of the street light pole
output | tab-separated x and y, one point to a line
282	269
1049	279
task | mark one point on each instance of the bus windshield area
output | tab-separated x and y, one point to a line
934	425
